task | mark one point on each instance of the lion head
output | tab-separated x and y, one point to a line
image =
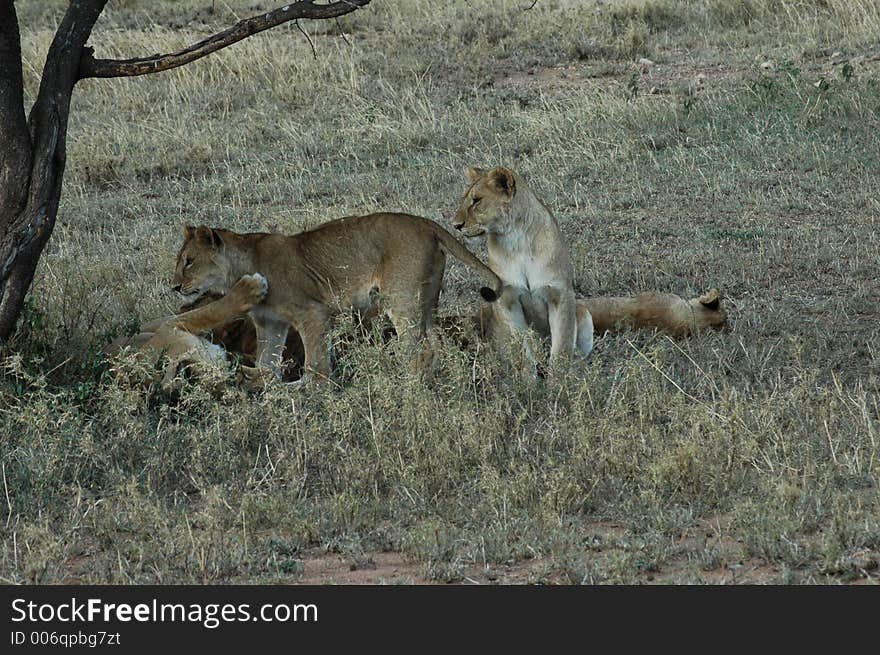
485	206
708	312
202	267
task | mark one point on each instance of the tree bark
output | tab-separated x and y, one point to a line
15	143
15	164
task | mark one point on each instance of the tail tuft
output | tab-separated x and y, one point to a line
489	295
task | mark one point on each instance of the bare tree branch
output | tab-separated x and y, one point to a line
91	67
308	38
342	33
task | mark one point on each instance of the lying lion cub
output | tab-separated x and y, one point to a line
527	251
239	337
663	311
312	275
177	337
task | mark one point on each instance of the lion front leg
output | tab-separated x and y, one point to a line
271	338
247	292
312	325
584	330
562	316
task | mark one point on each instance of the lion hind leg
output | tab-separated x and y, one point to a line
412	324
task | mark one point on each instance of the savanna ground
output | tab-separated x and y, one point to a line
745	157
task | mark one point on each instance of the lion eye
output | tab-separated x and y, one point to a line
475	202
187	263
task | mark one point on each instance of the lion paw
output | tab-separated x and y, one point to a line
252	288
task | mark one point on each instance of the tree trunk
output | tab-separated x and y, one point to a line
32	153
15	161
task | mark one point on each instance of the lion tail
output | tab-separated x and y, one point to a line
450	244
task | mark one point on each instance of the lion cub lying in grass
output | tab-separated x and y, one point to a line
662	311
177	338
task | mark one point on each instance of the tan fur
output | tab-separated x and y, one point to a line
177	337
239	338
527	251
662	311
665	312
346	263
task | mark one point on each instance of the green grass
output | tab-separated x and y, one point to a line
745	457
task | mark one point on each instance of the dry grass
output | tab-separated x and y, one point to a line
751	456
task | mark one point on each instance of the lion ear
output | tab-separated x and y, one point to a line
206	236
711	299
188	232
503	180
475	174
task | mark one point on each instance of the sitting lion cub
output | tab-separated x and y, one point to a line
663	311
527	251
313	275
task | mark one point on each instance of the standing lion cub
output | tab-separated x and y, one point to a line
346	263
527	251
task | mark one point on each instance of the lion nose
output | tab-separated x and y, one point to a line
458	226
176	287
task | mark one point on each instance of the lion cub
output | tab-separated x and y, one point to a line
664	311
527	251
342	264
177	337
